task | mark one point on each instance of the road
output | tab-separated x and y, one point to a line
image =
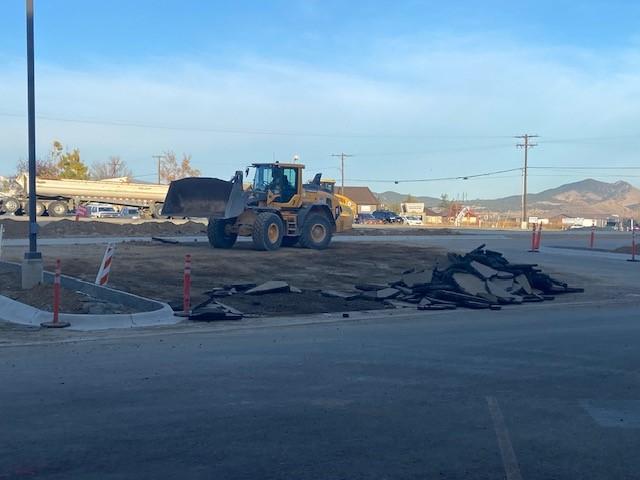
549	392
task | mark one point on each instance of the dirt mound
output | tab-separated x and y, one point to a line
71	228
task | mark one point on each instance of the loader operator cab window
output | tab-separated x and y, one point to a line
281	181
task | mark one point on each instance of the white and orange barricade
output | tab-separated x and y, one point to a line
105	267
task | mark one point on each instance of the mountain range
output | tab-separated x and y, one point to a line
583	198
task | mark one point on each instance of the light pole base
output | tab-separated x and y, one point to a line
31	272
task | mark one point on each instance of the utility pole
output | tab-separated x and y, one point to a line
159	159
342	157
32	263
526	145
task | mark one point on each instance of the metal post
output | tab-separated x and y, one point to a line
31	105
32	262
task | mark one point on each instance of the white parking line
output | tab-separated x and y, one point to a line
509	460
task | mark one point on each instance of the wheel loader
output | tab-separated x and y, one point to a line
275	210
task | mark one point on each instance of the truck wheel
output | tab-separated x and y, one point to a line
39	209
267	231
220	234
290	241
157	210
316	232
57	209
10	205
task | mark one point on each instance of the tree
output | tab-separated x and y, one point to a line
45	168
445	203
71	166
114	167
410	199
170	170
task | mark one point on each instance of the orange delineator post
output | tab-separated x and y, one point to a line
633	244
56	323
539	238
533	239
56	293
186	291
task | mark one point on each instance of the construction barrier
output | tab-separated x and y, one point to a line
103	273
533	239
592	238
56	323
81	211
186	291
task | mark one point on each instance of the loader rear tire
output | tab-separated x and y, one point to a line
219	234
267	231
316	232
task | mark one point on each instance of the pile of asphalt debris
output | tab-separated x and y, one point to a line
480	279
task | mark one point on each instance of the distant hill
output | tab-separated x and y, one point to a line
579	198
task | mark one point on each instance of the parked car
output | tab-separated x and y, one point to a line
367	219
387	216
412	220
130	212
102	211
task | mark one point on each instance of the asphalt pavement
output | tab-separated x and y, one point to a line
542	392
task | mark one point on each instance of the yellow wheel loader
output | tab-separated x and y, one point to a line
276	210
345	220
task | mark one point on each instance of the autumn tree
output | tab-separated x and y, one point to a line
114	167
70	163
171	169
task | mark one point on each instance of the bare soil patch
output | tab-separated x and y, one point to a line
156	270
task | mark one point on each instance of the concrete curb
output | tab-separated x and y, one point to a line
158	313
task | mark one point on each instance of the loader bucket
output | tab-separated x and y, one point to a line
205	197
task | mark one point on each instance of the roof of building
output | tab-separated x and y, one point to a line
430	213
361	195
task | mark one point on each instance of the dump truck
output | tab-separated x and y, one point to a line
58	196
275	210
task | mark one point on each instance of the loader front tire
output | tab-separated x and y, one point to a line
219	233
267	231
316	232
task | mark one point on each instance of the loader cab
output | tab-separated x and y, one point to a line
281	180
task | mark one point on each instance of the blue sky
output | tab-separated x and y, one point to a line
415	89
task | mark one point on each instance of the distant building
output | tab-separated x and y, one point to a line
429	216
364	199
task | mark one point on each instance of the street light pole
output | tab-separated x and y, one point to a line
32	264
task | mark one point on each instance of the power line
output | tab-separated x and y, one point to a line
119	123
460	177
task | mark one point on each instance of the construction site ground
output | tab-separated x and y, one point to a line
155	270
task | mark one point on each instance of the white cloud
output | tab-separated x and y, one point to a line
444	88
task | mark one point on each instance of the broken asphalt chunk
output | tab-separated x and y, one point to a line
274	286
339	294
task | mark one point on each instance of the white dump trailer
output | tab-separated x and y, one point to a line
58	197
